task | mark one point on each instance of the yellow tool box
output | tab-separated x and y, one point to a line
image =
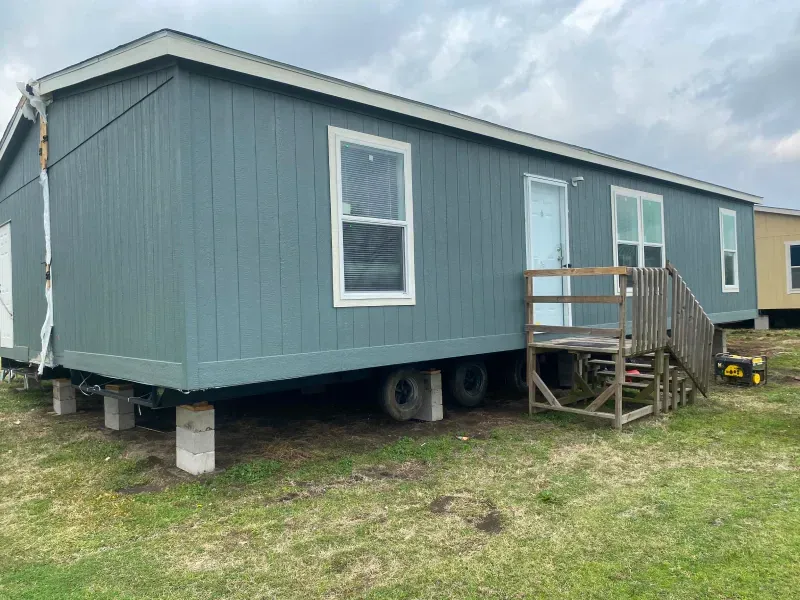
741	370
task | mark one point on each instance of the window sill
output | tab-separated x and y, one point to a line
730	290
358	302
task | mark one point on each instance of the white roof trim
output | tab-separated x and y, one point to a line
9	132
171	43
778	211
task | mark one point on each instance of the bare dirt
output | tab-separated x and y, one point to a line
293	428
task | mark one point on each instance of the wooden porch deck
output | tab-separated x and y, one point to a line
596	345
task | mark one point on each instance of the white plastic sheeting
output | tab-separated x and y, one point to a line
47	326
34	104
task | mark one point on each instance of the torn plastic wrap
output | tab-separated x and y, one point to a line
34	104
47	327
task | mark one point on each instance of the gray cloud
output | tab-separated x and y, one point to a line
709	89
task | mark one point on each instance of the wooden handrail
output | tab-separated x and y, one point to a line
574	299
577	272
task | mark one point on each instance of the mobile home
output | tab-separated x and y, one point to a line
219	221
777	235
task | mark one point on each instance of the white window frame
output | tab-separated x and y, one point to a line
732	213
341	298
641	244
789	288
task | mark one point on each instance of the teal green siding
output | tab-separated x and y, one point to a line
116	292
21	204
260	187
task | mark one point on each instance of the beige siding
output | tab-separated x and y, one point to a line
773	231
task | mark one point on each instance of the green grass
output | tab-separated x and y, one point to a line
702	503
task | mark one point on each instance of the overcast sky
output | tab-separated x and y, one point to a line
707	88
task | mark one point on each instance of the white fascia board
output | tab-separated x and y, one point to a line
4	143
778	211
169	43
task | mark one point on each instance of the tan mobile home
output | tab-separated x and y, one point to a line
777	232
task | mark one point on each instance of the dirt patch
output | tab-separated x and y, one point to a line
491	522
403	472
478	512
441	504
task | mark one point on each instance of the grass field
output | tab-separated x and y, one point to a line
704	503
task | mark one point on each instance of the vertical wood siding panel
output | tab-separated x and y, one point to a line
327	313
247	222
137	252
124	162
507	243
202	168
289	226
429	236
474	224
516	279
345	317
465	239
146	199
107	226
487	241
361	316
111	200
453	258
226	273
391	314
497	241
268	224
375	314
442	272
412	318
307	223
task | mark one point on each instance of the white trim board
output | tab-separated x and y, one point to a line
172	43
9	133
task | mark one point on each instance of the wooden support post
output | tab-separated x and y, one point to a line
530	350
693	394
619	378
531	386
683	392
658	364
665	381
674	389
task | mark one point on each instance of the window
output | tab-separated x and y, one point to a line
793	267
729	254
371	220
638	219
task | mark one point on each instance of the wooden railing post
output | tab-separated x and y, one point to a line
619	377
530	350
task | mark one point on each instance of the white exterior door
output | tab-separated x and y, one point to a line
548	245
6	302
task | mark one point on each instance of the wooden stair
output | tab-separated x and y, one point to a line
669	343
